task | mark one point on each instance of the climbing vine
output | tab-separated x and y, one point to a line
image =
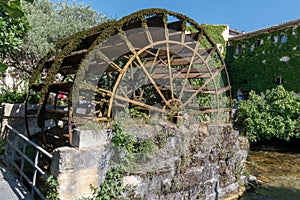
52	193
112	187
215	34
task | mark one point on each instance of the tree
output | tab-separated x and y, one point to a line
49	22
276	116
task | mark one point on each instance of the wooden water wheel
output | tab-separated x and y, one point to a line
151	62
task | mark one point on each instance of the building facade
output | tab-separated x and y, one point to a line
265	58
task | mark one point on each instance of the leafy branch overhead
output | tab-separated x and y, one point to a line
13	28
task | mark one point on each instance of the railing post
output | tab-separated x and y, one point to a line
36	160
22	160
6	143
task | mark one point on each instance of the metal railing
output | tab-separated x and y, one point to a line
1	115
16	145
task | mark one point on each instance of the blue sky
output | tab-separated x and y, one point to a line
246	15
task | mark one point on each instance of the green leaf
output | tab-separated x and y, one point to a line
3	67
13	7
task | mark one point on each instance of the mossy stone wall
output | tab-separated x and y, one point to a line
190	163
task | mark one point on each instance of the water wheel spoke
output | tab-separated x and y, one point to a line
132	77
155	59
170	73
128	100
151	80
141	64
107	60
214	81
123	92
204	85
211	53
138	103
148	34
190	66
169	59
183	35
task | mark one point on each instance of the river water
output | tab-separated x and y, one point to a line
277	171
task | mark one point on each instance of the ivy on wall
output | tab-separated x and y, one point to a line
214	32
262	60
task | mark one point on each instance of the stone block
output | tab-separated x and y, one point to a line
76	170
90	138
77	184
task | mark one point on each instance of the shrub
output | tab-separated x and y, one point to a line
276	116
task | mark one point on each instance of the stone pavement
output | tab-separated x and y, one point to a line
10	187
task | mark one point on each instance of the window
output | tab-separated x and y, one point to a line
279	80
239	49
283	38
276	38
242	95
259	42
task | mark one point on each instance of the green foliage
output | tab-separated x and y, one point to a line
126	142
215	33
15	94
136	113
12	95
122	140
11	34
3	68
52	193
12	31
111	187
13	27
277	116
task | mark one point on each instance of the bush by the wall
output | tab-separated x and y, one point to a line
275	116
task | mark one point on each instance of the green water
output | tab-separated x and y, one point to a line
278	173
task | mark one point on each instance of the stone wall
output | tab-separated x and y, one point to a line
192	162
